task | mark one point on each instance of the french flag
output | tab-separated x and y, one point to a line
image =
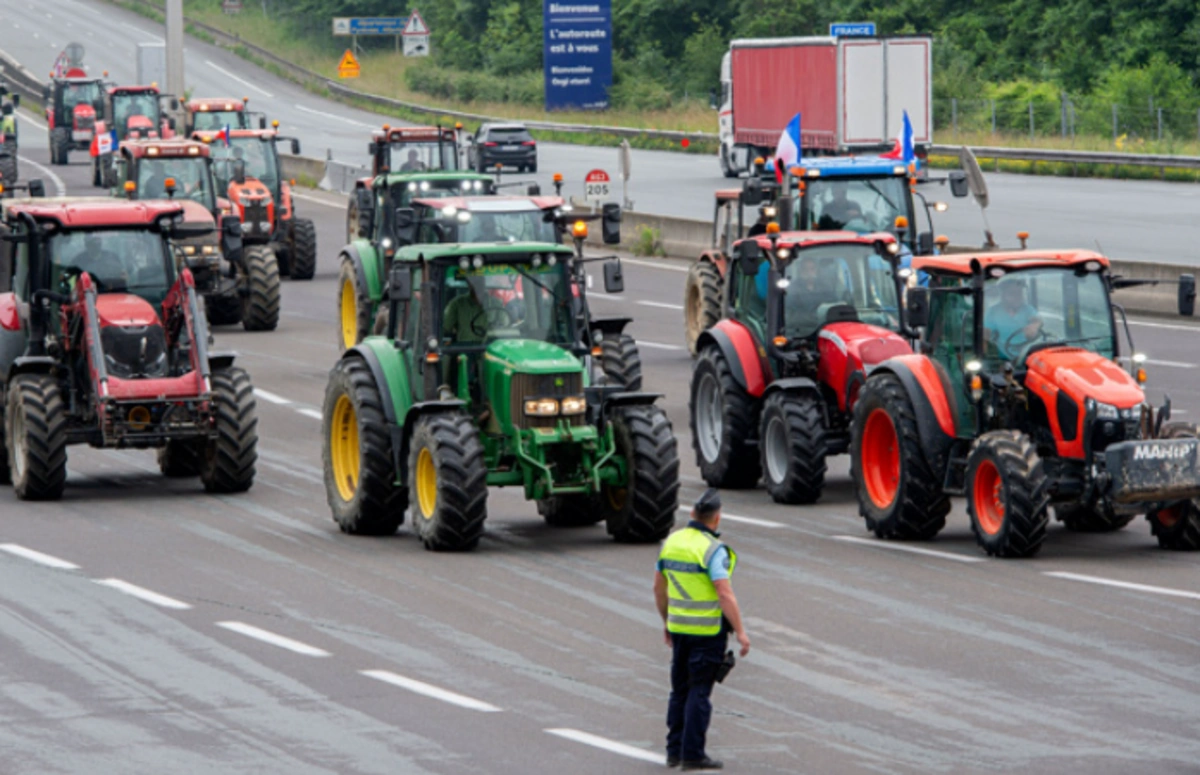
903	149
104	144
223	135
787	152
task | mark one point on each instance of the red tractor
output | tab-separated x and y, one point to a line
74	103
1017	400
133	111
246	165
806	317
103	342
203	114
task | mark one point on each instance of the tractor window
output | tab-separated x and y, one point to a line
6	260
126	106
87	93
1051	305
214	120
863	205
409	328
522	226
20	278
514	301
750	296
836	282
411	156
258	154
119	260
951	337
191	175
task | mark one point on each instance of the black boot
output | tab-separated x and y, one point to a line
707	763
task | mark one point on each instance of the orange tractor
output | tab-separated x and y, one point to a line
1020	398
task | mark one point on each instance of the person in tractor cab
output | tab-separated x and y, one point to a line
840	210
413	164
760	226
105	266
469	315
155	186
1011	322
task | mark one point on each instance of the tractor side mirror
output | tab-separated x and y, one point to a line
1187	294
231	238
171	123
405	217
231	225
16	101
748	255
37	188
295	147
610	223
533	190
45	94
918	307
400	283
925	243
614	278
239	171
752	192
958	184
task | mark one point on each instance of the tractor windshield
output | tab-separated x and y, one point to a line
82	93
411	156
260	158
126	106
506	301
862	205
1041	306
191	176
118	260
513	226
830	283
216	120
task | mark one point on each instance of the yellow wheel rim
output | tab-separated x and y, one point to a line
426	483
343	447
616	497
349	314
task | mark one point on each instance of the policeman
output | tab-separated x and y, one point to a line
695	598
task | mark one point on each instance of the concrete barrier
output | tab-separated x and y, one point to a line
301	167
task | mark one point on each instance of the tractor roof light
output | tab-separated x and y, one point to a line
169	184
1095	266
893	247
898	170
130	186
901	222
770	211
579	230
783	283
477	262
245	100
779	341
783	254
464	216
275	124
772	228
558	178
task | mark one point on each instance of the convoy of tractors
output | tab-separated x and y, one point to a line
825	319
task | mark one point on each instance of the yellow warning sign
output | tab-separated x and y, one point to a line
348	67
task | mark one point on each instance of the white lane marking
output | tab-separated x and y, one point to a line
660	305
428	690
1124	584
313	413
613	746
55	179
1166	364
656	265
658	345
243	82
335	117
140	31
1168	326
745	520
879	543
250	631
267	395
314	200
34	120
48	560
142	593
606	297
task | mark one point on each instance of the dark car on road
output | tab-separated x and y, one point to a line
510	145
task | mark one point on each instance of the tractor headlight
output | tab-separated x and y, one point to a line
208	250
572	405
264	225
189	250
1107	412
246	226
541	407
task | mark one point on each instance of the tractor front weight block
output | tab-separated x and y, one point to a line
1156	470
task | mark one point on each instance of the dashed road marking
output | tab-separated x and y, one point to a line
242	81
267	395
429	690
657	265
881	544
605	744
50	561
1168	591
744	520
140	31
250	631
661	305
141	593
658	345
335	117
313	413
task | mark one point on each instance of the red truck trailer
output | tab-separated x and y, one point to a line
851	93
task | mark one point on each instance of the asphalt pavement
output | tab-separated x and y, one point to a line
148	627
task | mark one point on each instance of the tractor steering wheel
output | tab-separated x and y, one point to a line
489	318
1041	334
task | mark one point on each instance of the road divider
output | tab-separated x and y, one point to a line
429	690
250	631
141	593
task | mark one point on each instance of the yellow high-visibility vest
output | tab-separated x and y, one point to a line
693	607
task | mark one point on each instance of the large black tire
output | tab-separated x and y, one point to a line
360	475
899	494
1008	494
304	249
35	435
260	305
448	479
351	220
621	362
8	170
701	301
644	509
722	420
223	310
353	307
1100	518
570	511
60	142
181	459
230	457
792	447
1177	526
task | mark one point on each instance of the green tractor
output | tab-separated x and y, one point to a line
488	375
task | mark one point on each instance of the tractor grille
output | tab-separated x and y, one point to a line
255	214
134	351
543	386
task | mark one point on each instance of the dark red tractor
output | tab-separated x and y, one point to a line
74	103
806	316
103	342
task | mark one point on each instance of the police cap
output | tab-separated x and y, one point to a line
708	503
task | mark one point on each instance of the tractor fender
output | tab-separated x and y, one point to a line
795	385
609	326
220	360
717	259
931	404
30	364
614	400
366	266
737	345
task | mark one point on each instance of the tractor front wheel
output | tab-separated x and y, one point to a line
360	474
899	494
35	432
448	479
701	301
229	458
304	249
60	143
8	170
621	362
723	419
642	509
260	304
1007	494
792	447
353	306
1177	526
181	459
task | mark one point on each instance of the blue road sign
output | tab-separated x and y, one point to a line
578	53
378	25
852	29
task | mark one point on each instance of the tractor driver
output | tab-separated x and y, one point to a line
105	266
413	164
155	186
470	315
840	210
1012	321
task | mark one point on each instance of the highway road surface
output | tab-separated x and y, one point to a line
146	627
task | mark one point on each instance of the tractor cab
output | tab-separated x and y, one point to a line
136	111
212	114
414	149
372	207
482	219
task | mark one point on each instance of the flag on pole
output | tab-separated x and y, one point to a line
903	149
223	135
104	143
787	151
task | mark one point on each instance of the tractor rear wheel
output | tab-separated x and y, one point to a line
899	494
1177	526
570	510
1007	494
354	307
8	170
792	447
642	509
723	419
1100	518
260	306
701	301
229	458
223	310
448	478
621	361
36	437
60	141
304	249
181	459
360	474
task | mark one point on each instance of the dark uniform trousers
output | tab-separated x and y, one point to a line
694	664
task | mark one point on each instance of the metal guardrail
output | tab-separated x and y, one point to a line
1074	157
20	80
